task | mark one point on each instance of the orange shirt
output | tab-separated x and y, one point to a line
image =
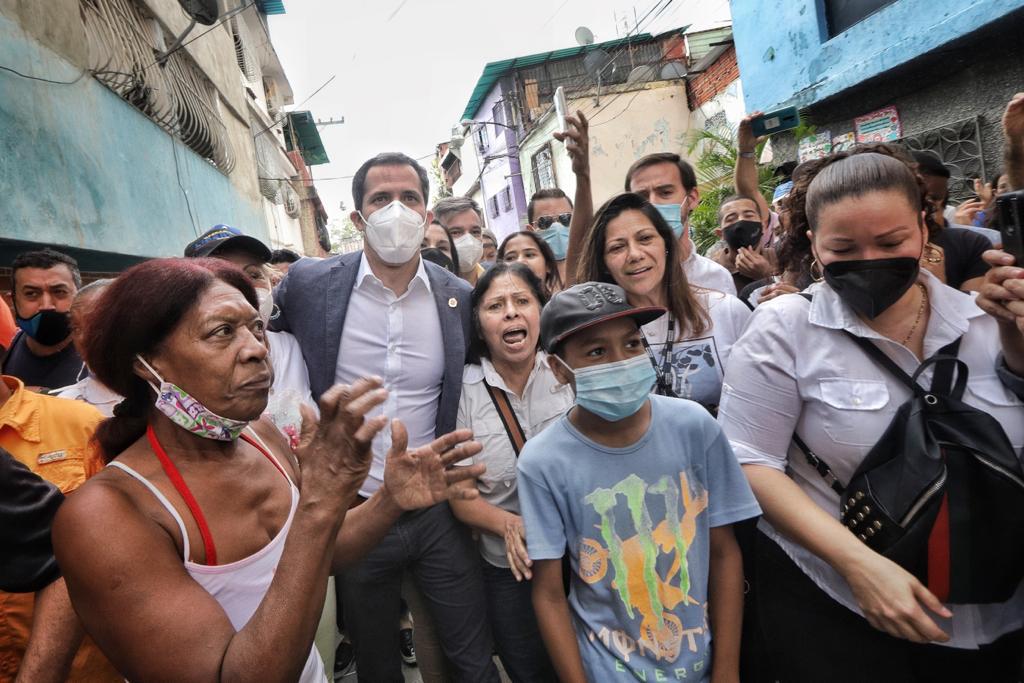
7	325
52	437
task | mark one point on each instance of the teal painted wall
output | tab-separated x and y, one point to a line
786	57
81	167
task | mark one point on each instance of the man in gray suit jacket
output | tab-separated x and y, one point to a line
386	312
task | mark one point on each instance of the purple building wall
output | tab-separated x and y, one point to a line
501	181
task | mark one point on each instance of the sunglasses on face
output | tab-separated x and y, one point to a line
545	222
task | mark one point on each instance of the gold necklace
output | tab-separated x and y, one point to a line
920	313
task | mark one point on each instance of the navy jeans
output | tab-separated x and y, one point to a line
439	554
514	625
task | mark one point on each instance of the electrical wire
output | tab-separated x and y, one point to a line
285	115
181	186
44	80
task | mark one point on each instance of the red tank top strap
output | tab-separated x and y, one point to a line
182	488
273	461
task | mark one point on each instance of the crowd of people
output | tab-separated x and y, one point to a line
583	452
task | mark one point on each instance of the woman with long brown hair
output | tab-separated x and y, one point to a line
631	245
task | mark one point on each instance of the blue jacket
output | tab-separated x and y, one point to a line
313	300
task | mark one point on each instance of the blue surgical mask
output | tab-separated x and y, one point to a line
673	215
614	391
557	237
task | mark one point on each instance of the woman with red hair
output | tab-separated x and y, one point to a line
202	551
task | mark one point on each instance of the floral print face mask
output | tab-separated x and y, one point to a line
191	415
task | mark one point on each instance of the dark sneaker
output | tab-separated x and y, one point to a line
405	646
344	660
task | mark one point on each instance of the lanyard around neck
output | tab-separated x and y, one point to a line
663	370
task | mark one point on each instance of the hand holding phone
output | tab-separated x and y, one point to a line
1011	222
775	121
561	109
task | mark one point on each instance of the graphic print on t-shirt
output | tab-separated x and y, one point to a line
640	557
695	370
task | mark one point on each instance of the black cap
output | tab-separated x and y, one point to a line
929	164
221	236
584	305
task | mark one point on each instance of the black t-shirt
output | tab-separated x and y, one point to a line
49	372
27	507
962	254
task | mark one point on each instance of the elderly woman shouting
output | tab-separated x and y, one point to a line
202	552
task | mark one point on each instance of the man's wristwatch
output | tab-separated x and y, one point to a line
747	155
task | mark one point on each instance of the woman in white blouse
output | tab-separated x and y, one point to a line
631	245
507	302
829	607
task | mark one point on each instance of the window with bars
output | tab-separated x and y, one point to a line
493	203
506	198
123	40
481	138
842	14
543	169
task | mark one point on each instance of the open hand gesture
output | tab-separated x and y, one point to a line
1013	119
577	142
422	477
334	451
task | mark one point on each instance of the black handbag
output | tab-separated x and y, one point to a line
942	491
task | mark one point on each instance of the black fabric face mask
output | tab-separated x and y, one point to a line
49	328
743	234
871	286
435	255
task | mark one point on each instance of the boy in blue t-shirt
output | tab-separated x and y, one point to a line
641	491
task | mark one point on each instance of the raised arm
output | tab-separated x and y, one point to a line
745	176
1013	129
138	584
577	144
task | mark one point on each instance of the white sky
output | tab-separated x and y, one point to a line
405	68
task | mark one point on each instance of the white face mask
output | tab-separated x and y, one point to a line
266	309
470	250
395	232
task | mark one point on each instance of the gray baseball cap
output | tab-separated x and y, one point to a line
585	305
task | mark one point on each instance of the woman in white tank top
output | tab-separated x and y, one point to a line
202	552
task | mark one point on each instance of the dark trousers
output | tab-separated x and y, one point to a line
810	637
439	554
514	626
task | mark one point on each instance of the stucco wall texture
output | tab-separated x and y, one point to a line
81	167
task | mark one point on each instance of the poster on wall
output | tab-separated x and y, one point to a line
841	143
879	126
815	146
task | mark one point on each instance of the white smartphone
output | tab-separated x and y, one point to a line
561	109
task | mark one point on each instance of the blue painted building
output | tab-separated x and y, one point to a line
118	156
947	66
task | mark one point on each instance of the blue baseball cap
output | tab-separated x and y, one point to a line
222	236
782	190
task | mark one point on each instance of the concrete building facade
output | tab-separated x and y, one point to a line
941	70
115	155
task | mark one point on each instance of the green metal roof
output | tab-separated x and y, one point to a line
307	137
271	6
495	70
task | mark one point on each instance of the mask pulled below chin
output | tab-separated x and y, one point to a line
871	286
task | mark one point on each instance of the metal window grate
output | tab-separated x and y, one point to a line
124	42
958	145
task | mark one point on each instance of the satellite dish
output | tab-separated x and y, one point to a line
642	73
204	12
673	70
596	62
584	36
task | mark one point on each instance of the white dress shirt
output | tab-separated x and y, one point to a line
795	370
703	272
94	392
544	400
397	338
